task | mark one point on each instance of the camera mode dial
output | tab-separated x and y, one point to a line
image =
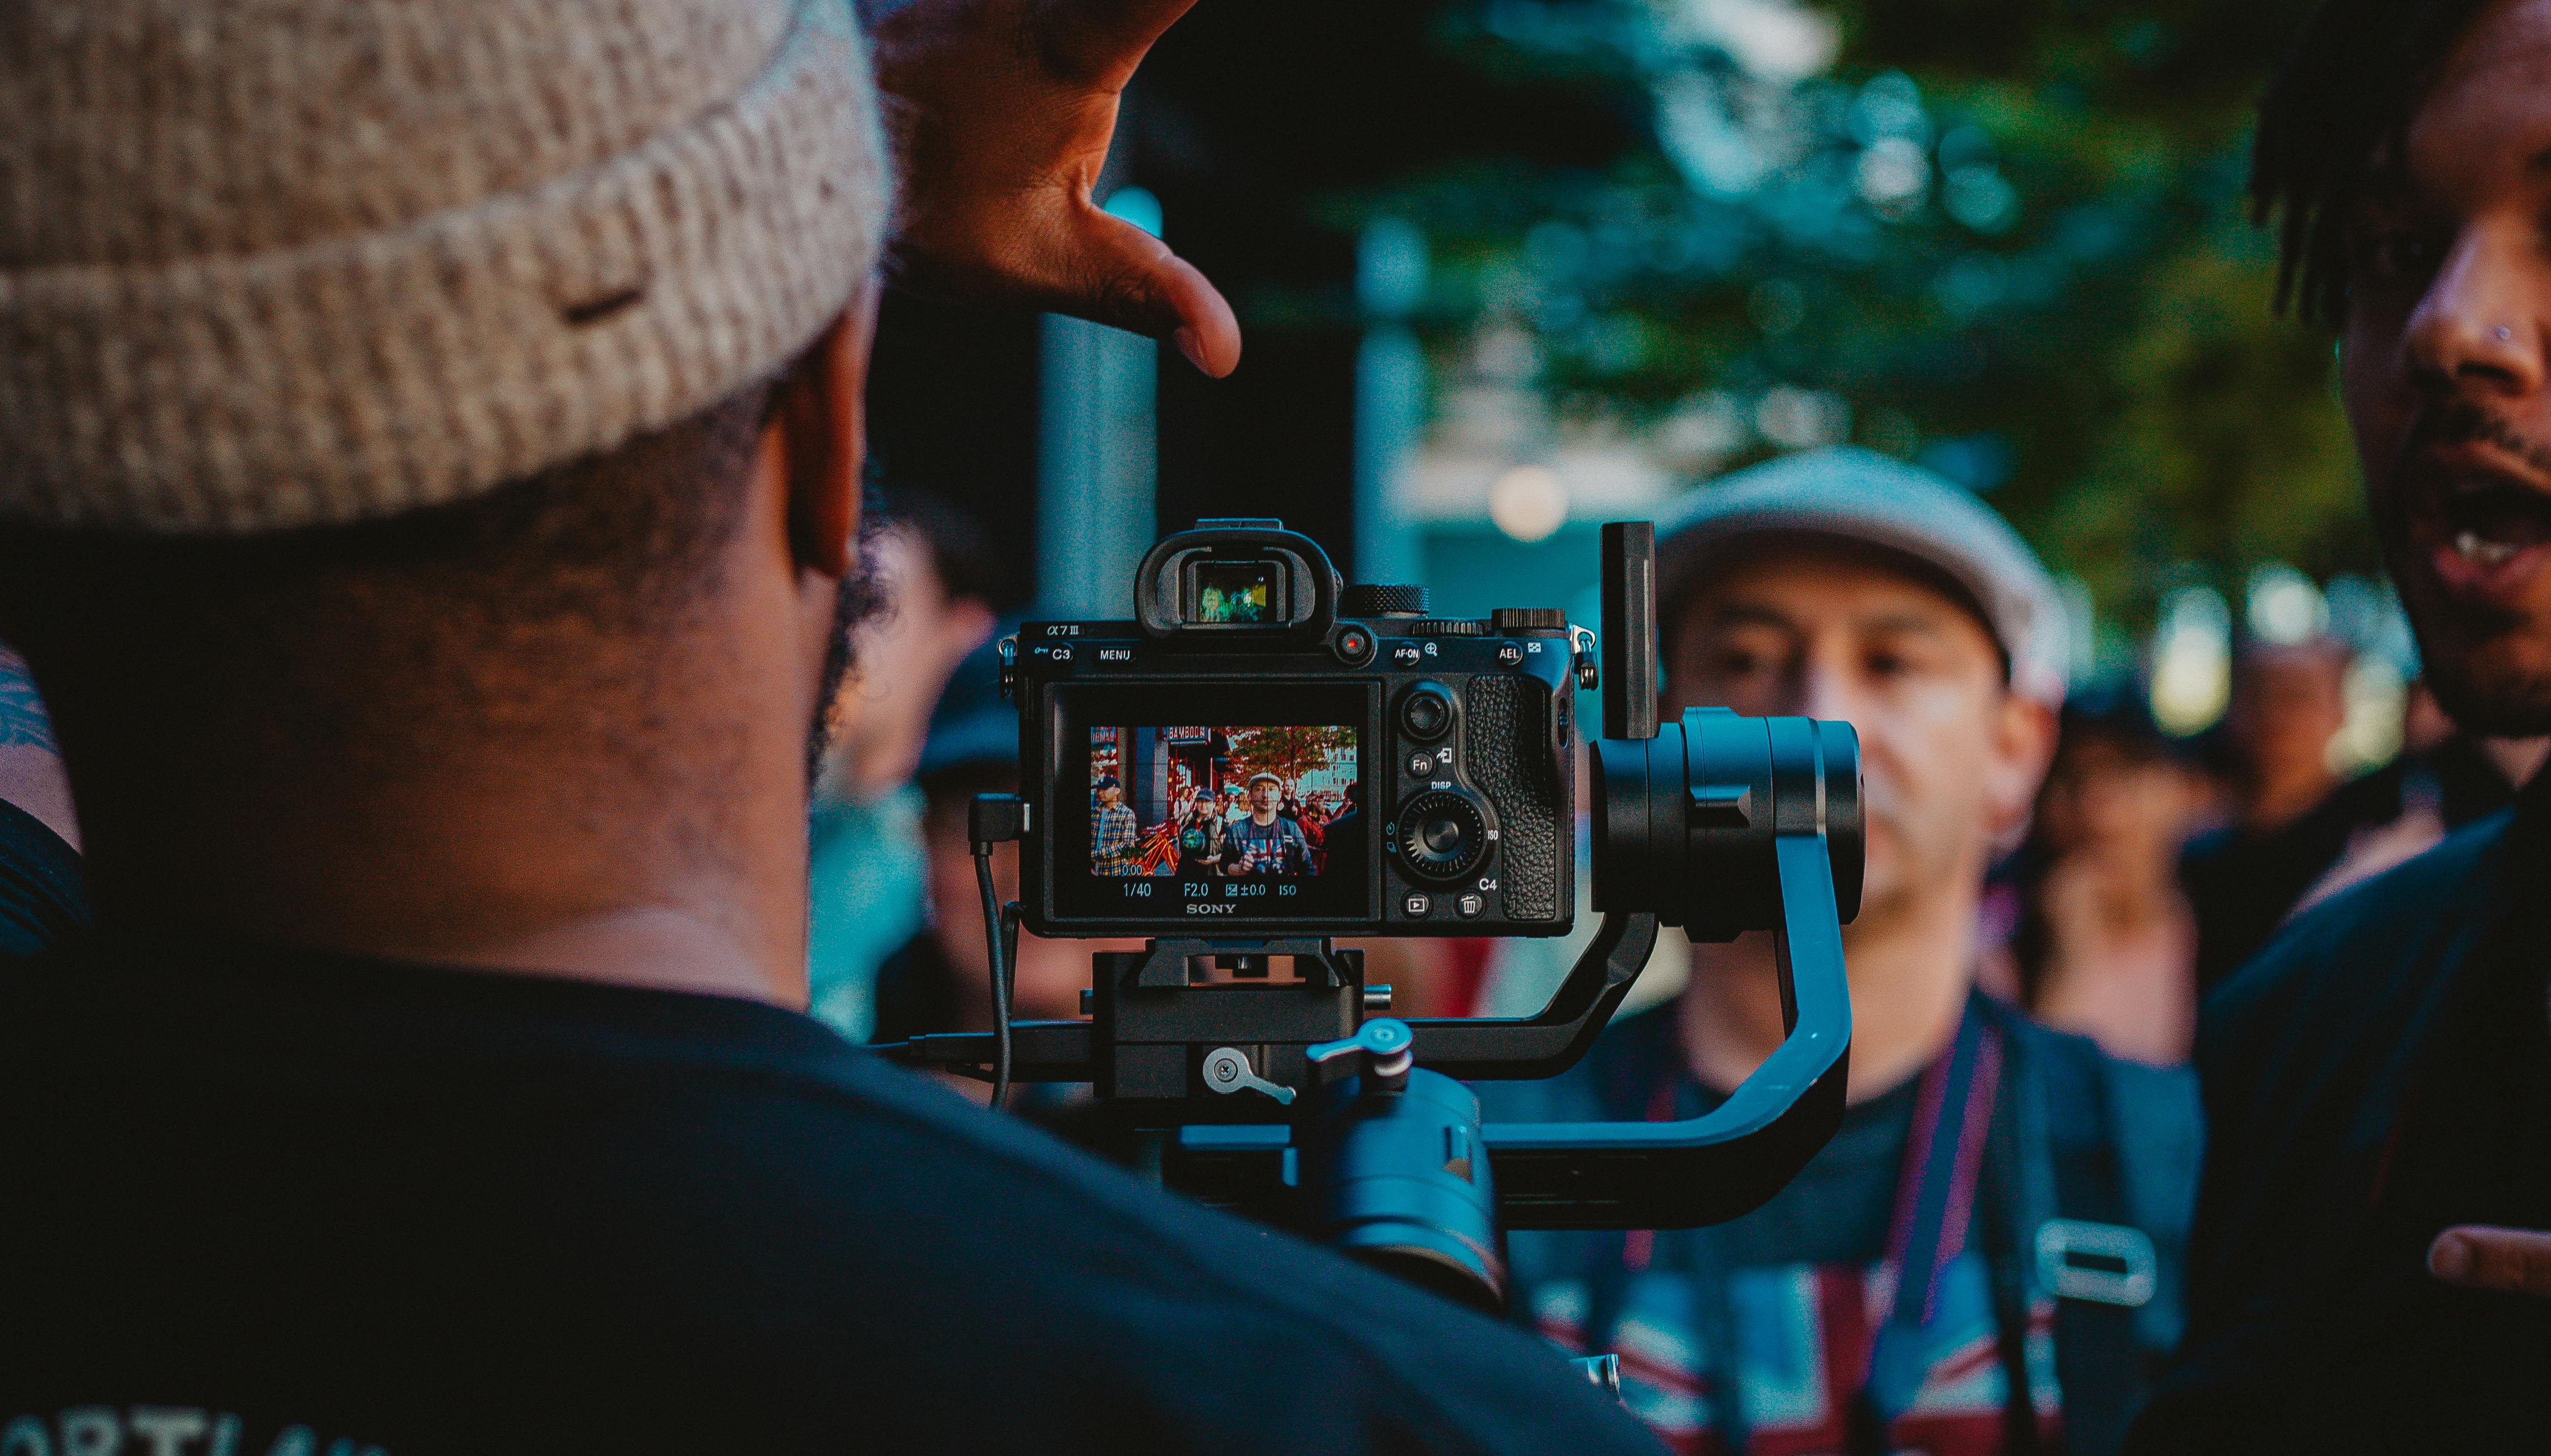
1449	626
1441	835
1365	599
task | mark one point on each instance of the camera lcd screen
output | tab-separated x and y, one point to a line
1249	816
1236	594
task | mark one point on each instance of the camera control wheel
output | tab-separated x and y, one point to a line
1441	835
1426	714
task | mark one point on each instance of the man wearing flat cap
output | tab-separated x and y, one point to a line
1263	841
430	464
1986	1251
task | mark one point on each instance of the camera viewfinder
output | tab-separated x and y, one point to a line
1223	593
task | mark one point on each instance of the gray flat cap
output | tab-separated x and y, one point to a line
1861	496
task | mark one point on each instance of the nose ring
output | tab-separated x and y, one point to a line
2504	333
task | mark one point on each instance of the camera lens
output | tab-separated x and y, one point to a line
1426	713
1441	835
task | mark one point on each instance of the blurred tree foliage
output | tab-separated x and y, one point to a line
2008	238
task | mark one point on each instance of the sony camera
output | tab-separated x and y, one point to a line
1264	760
1265	751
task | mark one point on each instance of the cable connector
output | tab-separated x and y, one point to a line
995	819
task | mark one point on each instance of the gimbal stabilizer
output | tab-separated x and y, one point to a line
1289	1101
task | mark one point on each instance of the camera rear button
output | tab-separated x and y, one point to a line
1416	906
1422	764
1510	654
1470	906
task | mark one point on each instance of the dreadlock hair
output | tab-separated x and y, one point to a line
2345	92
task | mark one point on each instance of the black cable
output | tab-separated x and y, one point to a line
992	942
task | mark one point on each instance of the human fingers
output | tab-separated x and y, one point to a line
1116	273
1100	42
2508	1260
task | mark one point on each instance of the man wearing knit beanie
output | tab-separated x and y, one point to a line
429	443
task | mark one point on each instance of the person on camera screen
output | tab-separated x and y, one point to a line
1116	831
1266	842
451	414
1842	584
1200	835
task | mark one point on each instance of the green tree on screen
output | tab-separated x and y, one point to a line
1287	752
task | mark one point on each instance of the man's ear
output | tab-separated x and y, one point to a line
823	423
2023	747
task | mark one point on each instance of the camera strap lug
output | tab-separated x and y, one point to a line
1583	660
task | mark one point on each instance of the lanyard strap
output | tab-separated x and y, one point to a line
1935	1202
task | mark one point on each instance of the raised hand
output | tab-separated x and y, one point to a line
1002	112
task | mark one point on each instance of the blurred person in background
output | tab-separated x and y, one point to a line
2299	832
2372	1259
2105	945
934	577
42	897
436	555
2441	780
1892	1296
2289	703
939	979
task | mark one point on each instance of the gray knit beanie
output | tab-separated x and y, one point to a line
275	263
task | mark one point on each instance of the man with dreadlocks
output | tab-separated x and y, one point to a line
2378	1082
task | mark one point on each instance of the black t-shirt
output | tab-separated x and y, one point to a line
2241	886
42	897
303	1199
2382	1073
1839	1208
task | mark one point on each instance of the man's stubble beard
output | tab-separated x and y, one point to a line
2503	701
859	600
2511	702
1915	875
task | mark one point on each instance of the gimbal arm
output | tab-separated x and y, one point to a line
1550	1041
1715	1167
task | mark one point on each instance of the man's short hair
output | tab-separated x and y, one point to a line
2348	89
622	539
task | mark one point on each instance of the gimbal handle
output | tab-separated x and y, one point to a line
1726	1162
